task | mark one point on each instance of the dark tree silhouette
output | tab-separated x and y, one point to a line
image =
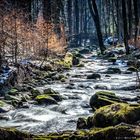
95	16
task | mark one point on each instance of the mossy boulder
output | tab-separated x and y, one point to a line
108	133
4	107
115	114
68	60
112	133
45	99
13	91
94	76
113	71
55	95
103	98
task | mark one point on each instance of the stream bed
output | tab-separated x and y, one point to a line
77	91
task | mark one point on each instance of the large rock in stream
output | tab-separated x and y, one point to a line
115	114
53	94
45	99
111	115
48	97
103	98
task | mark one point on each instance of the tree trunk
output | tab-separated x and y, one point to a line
130	17
135	2
69	10
124	16
77	21
95	16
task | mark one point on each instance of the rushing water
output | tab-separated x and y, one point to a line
53	118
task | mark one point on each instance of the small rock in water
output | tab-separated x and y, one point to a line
94	76
4	117
71	86
107	76
113	71
101	87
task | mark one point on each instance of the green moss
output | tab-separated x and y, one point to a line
13	91
113	133
55	95
115	114
43	96
96	134
45	99
13	134
2	103
67	61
